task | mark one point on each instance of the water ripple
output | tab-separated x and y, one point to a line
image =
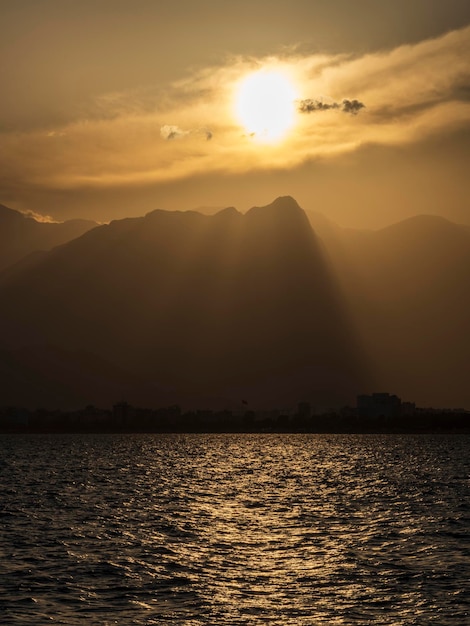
235	529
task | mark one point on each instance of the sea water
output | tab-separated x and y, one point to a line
234	529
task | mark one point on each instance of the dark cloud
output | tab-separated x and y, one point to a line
309	105
352	106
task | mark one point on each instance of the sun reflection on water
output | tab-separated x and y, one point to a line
235	529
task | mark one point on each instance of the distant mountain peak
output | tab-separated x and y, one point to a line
154	213
426	227
284	212
421	219
229	212
282	204
21	234
285	202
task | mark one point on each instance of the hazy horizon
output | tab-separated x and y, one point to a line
213	210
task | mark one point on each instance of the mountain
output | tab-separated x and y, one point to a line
270	306
217	308
21	235
407	288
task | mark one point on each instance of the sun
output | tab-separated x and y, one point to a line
265	105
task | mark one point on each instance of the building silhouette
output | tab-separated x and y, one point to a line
383	405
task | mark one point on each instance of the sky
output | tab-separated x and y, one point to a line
114	108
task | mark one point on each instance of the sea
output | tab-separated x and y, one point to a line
227	529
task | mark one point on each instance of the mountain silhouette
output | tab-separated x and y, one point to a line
218	308
21	235
407	289
273	306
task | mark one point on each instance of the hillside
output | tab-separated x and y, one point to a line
224	307
407	288
21	235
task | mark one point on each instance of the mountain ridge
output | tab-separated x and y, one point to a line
213	306
21	235
188	298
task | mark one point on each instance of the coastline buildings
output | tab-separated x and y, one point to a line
383	405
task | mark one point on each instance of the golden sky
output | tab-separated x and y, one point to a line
112	108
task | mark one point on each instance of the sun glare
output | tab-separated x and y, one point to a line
265	105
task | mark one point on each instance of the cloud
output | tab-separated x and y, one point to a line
170	132
352	106
347	106
38	217
412	92
309	106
